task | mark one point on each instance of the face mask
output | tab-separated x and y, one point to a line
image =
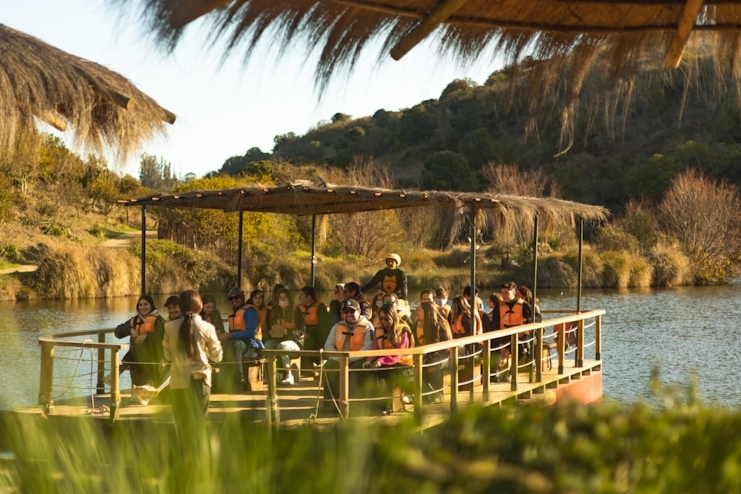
283	304
441	301
379	303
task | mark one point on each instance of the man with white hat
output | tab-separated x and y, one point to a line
391	278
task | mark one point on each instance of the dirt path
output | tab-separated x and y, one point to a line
123	240
119	242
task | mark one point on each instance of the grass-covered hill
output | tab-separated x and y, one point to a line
626	143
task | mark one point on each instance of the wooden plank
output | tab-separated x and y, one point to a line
684	28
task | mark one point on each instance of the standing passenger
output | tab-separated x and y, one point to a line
391	278
189	344
244	322
146	329
173	309
315	320
441	300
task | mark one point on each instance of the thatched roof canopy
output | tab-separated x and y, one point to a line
339	29
101	107
300	199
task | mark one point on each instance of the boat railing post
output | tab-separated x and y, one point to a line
115	385
486	369
598	337
539	355
561	346
344	385
454	379
418	387
100	371
46	378
580	344
514	362
272	409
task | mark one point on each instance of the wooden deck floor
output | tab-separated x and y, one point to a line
301	404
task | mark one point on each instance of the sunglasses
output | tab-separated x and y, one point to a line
348	311
235	297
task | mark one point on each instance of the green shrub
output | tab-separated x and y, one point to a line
614	238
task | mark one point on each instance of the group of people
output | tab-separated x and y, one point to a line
195	333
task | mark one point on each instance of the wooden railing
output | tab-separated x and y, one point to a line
453	347
46	378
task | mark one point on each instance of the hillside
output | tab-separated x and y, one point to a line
625	145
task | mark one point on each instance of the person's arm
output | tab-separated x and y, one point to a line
251	321
166	352
370	333
123	330
329	344
213	345
299	330
377	278
403	285
366	310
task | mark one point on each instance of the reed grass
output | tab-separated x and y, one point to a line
670	267
617	269
641	272
592	266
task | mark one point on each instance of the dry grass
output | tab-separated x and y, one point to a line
670	267
592	266
616	273
641	272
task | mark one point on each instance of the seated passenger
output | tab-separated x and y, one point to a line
241	341
441	300
391	278
394	370
434	329
274	296
335	306
353	333
146	329
211	314
479	303
376	303
460	319
403	312
352	291
513	312
418	319
286	332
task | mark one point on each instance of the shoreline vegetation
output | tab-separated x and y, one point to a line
670	443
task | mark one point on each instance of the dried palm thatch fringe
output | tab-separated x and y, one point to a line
101	107
495	212
569	36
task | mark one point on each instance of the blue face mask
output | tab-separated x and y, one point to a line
441	301
379	303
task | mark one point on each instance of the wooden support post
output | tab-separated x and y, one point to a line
684	28
486	370
429	23
514	362
273	417
539	355
100	385
115	385
454	379
580	344
561	346
344	385
598	337
418	387
46	379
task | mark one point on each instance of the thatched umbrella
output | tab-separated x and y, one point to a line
565	37
101	107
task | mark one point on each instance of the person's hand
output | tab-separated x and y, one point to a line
277	331
367	364
376	364
225	336
134	334
140	339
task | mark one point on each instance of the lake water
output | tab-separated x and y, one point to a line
683	330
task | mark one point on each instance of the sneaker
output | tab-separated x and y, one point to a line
288	379
386	410
407	398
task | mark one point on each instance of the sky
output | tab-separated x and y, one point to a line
224	109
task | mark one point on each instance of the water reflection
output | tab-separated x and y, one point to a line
682	330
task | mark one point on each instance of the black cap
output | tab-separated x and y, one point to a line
351	304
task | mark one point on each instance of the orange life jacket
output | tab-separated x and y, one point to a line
146	325
236	319
389	283
510	317
384	343
357	336
457	327
310	313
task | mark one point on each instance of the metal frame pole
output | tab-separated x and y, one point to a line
313	249
239	249
581	263
144	250
473	269
538	350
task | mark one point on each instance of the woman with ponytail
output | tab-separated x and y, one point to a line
189	344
